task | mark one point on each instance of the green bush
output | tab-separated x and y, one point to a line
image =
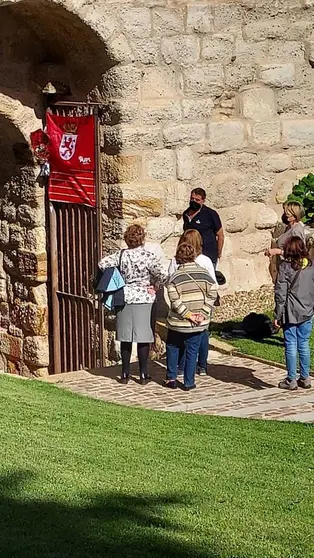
303	192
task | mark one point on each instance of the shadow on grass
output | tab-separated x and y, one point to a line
111	525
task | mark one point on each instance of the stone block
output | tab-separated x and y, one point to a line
239	75
177	195
3	281
38	295
284	183
228	16
255	243
257	103
243	274
4	232
170	247
158	83
121	82
303	159
142	200
131	137
178	228
28	215
185	163
292	103
298	132
227	135
20	290
146	51
160	111
277	162
30	318
160	165
259	187
266	218
199	18
275	28
228	188
183	134
16	236
181	50
227	249
36	351
120	168
11	346
40	372
8	211
197	109
266	133
32	266
278	75
167	21
204	79
35	240
136	22
121	50
218	48
235	219
160	228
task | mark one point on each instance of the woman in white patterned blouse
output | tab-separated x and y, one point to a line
141	271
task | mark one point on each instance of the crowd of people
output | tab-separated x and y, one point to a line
191	282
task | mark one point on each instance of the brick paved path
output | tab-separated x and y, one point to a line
236	387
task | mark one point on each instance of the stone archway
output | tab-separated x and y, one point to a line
43	41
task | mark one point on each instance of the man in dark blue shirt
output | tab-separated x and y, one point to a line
207	222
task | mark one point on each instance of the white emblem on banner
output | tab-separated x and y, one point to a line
67	146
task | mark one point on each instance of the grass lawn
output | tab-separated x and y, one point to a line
84	479
271	348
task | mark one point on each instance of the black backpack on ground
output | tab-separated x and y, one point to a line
258	326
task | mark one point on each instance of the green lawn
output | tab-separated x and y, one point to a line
84	479
271	348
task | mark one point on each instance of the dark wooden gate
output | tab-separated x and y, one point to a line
75	249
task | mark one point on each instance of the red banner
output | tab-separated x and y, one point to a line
72	159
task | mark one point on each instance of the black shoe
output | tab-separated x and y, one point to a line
171	384
188	388
145	379
124	378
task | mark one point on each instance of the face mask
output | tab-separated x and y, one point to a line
284	219
194	205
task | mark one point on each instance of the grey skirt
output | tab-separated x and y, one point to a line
134	324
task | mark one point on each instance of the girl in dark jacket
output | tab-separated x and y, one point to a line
294	297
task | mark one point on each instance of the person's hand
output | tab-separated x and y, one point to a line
276	324
272	252
196	318
151	290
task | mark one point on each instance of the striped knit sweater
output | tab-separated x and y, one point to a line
187	295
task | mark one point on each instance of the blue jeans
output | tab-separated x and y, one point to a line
296	338
202	353
177	344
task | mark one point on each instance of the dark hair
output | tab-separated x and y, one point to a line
295	251
185	253
199	192
134	236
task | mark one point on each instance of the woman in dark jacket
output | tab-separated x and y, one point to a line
294	297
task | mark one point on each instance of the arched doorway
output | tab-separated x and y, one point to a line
45	47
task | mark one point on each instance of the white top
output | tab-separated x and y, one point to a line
203	261
140	269
157	250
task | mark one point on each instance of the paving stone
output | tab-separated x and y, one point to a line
235	387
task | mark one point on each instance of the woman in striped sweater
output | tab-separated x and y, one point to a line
192	293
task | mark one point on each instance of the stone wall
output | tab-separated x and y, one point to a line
213	93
